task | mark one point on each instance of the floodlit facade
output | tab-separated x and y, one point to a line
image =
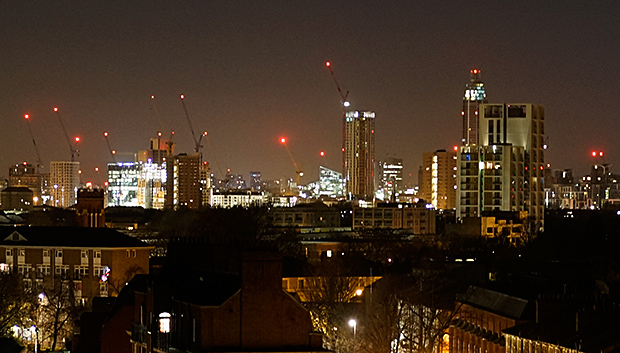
438	179
506	172
232	198
359	153
152	185
123	184
475	94
390	178
65	181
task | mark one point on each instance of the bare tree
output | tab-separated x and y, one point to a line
16	303
57	312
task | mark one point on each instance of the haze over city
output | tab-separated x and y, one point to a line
255	71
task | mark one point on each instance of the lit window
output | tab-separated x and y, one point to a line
164	322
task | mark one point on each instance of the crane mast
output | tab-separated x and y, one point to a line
107	141
72	148
36	148
298	169
345	103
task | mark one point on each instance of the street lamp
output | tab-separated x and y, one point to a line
353	324
35	332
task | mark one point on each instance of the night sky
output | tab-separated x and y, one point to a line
253	71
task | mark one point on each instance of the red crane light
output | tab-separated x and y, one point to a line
322	153
152	96
456	148
105	134
282	140
55	109
26	116
77	139
593	153
600	154
328	64
182	96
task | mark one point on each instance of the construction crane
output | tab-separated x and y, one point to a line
298	169
345	104
36	148
198	141
169	143
72	148
112	152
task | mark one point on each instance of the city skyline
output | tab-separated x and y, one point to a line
253	73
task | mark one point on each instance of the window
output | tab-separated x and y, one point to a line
81	271
46	253
97	254
9	252
300	283
85	254
59	253
22	252
43	270
24	269
127	253
133	253
62	270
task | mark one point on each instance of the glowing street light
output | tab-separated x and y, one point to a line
353	324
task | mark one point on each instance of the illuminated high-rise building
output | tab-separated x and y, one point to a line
65	181
123	184
475	94
183	186
359	161
438	179
390	178
506	171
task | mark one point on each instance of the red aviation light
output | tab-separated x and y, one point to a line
462	112
328	64
456	148
476	112
152	96
105	133
182	96
26	116
322	153
343	149
600	154
55	109
282	140
77	139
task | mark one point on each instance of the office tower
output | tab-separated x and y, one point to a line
183	188
24	174
475	95
123	184
65	181
438	179
390	178
359	154
506	171
256	183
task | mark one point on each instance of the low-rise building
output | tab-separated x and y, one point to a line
419	220
97	261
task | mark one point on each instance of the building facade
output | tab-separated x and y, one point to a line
506	171
475	94
438	179
183	186
64	182
359	153
390	178
419	220
24	174
79	256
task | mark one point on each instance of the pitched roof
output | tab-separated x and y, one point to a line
67	237
496	302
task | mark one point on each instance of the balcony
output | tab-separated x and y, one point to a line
139	333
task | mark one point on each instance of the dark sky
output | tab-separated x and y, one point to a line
253	71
